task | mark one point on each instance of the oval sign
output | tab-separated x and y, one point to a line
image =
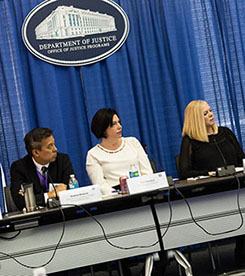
75	32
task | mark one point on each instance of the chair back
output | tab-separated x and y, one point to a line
153	166
11	207
177	164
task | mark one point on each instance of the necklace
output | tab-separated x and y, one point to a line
112	151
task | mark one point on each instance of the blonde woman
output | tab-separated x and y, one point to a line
205	146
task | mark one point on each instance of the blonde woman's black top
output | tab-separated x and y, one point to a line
198	158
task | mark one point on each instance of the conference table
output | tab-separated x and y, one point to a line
208	209
122	226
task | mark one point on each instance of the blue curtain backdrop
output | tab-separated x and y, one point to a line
2	205
176	51
220	39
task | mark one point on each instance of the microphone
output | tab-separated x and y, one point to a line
153	164
152	161
52	202
221	153
227	169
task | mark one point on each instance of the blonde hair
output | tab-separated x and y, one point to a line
194	123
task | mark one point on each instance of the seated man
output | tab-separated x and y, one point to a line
40	146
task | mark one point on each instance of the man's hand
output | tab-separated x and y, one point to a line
59	188
21	192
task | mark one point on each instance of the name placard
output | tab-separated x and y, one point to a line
80	195
147	183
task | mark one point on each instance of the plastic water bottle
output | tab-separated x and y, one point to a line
133	172
41	271
73	183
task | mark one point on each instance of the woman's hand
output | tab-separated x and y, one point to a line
212	173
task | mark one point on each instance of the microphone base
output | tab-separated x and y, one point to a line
225	171
170	180
53	202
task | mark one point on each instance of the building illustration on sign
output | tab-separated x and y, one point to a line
68	22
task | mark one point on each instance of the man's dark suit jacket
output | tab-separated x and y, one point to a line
24	171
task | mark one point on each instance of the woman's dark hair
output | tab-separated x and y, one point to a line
33	138
101	121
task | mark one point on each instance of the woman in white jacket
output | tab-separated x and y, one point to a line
114	155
